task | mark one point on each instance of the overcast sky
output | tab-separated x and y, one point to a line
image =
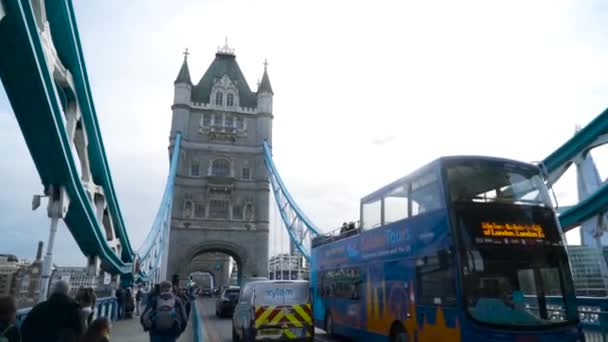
365	92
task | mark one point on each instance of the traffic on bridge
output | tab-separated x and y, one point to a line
465	247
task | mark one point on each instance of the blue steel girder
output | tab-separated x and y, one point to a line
32	89
592	135
576	148
66	39
297	224
158	237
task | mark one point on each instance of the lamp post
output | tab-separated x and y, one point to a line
56	209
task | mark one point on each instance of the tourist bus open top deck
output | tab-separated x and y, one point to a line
466	248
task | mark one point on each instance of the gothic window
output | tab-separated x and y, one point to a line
229	121
246	173
206	120
248	213
219	98
229	100
240	122
220	167
188	208
199	210
217	120
195	166
218	209
237	212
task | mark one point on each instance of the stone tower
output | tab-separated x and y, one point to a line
221	194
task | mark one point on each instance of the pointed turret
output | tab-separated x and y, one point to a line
184	72
265	92
182	94
265	86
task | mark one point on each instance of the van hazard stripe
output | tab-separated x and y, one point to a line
302	312
264	316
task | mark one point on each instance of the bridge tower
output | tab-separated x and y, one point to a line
221	194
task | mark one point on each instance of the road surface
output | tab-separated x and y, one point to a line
220	329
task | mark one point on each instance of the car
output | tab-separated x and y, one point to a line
273	310
224	306
206	292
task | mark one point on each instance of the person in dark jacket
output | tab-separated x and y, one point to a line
138	296
120	302
152	310
56	319
8	317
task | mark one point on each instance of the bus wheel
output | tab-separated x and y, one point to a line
329	325
398	334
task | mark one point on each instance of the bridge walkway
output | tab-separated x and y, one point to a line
131	331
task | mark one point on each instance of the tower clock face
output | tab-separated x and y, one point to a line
35	270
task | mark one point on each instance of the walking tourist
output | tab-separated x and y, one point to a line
56	319
165	315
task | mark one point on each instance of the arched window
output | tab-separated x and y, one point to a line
195	168
188	209
219	98
220	167
229	100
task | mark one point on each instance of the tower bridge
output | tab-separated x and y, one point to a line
221	175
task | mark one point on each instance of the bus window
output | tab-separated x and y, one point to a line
372	215
395	204
435	279
426	194
343	283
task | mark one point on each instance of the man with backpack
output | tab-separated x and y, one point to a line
165	316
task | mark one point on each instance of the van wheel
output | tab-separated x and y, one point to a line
329	325
398	334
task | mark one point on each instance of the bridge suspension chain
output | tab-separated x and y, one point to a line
153	252
299	227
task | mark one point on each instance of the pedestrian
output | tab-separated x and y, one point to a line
8	318
56	319
99	331
86	299
138	296
165	316
154	293
120	302
129	303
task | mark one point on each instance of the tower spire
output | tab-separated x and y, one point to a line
225	50
184	73
264	85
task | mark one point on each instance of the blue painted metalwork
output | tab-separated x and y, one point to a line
40	114
197	324
298	225
41	106
66	38
577	147
159	232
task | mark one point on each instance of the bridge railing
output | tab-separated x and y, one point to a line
104	307
592	313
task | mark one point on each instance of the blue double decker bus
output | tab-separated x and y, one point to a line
463	249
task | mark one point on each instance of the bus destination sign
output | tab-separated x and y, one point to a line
512	230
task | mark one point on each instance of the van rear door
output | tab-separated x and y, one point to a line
282	309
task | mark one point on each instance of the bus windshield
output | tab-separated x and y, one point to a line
496	181
514	266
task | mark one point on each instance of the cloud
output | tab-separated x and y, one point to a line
361	99
383	140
